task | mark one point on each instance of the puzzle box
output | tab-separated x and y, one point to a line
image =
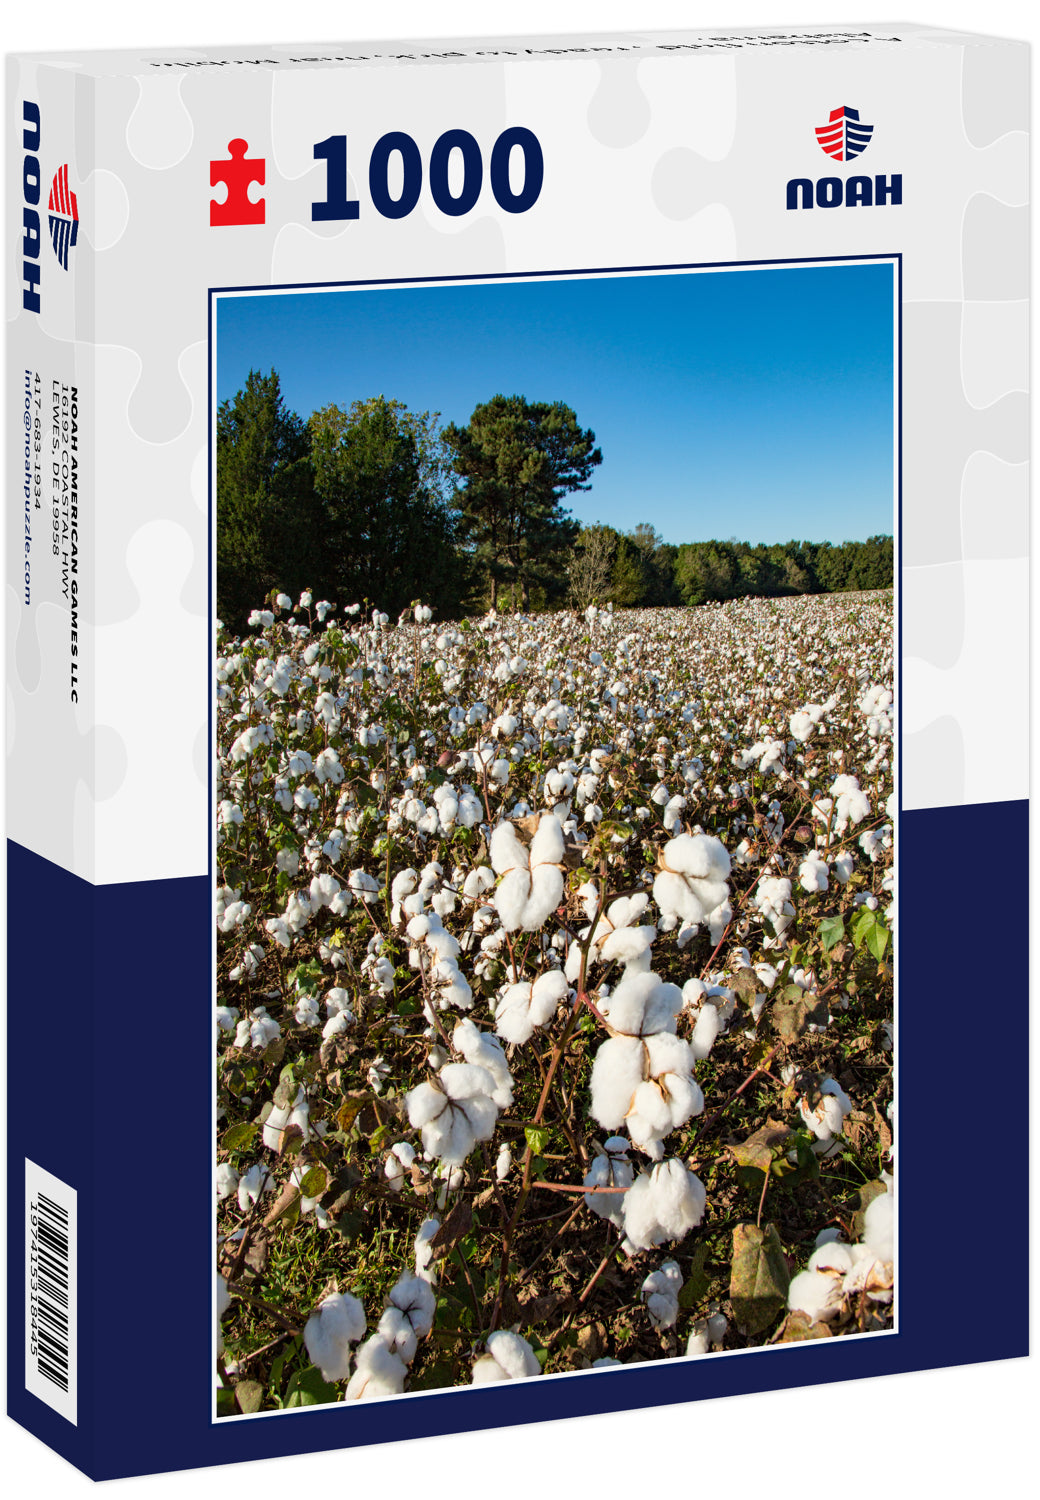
581	889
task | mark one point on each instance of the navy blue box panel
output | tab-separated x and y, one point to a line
116	1096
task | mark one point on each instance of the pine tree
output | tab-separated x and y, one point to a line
516	460
265	499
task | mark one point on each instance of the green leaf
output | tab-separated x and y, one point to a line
832	930
877	940
239	1137
746	984
863	924
249	1394
861	1202
793	1013
695	1287
797	1327
307	1388
308	977
537	1138
225	1401
758	1277
314	1182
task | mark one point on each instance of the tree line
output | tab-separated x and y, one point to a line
376	502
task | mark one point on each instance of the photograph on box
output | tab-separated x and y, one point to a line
554	823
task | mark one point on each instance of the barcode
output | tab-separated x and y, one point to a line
50	1290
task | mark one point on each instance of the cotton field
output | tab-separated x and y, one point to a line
554	990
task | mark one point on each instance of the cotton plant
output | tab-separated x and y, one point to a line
508	1357
663	1205
283	1118
692	881
532	875
611	1173
706	1334
617	937
523	1008
660	1294
336	1324
421	865
642	1076
454	1111
837	1274
824	1114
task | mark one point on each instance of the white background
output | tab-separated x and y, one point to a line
949	1433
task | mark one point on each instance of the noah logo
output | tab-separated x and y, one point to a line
843	136
62	215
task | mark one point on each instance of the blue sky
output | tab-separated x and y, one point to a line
753	403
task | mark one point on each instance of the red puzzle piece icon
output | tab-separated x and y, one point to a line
237	173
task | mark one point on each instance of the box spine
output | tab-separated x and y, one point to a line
50	1132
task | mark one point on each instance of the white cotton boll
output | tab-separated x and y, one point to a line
616	1074
668	1098
477	882
717	1326
676	899
693	993
842	866
336	1025
378	1073
404	883
470	810
336	1323
546	895
485	1050
408	1316
546	993
642	1004
524	1007
613	1169
508	1357
547	844
629	946
812	873
706	1029
227	1179
263	1030
673	813
455	1112
281	1119
816	1294
378	1371
503	1163
825	1119
252	1184
506	850
424	1252
852	805
227	1016
832	1255
511	898
337	1002
306	1012
878	1227
660	1291
663	1204
698	855
699	1341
